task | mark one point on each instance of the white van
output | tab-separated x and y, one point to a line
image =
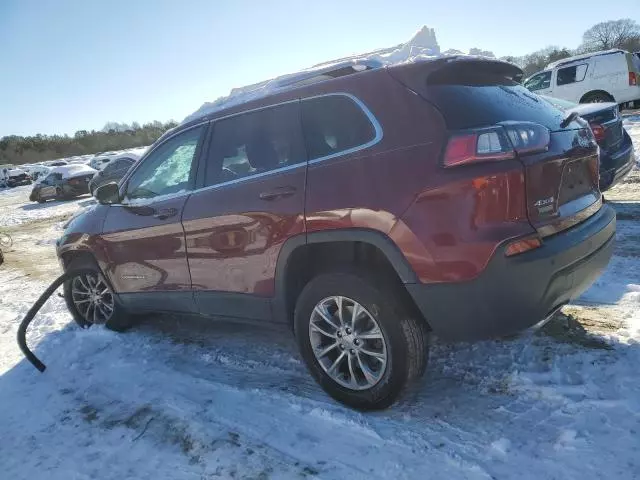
607	76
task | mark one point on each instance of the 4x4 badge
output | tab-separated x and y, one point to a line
544	201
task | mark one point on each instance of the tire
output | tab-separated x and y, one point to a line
119	319
597	97
404	336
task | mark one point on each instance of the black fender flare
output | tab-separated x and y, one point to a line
372	237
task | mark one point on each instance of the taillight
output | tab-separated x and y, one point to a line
74	181
599	132
633	79
500	142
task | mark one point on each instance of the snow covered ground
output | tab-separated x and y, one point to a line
185	398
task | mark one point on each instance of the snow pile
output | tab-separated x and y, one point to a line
15	208
478	52
423	45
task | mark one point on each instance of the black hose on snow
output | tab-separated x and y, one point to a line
22	329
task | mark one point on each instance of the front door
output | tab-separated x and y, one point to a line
143	237
251	202
540	83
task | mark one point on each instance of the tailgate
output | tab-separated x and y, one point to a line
562	183
482	97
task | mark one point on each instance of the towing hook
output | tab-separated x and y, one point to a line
22	329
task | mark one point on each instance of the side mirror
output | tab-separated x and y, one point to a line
107	193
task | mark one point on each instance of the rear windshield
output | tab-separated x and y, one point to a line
483	100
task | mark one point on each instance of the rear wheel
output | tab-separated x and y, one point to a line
91	301
597	97
357	339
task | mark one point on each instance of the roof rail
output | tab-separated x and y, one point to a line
584	56
321	73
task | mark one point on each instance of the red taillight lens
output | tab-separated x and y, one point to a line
523	245
599	132
633	79
74	181
501	142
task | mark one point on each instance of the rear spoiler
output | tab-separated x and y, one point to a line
418	75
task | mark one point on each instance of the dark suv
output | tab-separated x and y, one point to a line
365	207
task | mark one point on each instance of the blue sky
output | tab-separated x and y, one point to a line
73	64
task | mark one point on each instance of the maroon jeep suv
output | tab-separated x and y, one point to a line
364	206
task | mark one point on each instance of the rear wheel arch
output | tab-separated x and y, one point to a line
305	256
599	94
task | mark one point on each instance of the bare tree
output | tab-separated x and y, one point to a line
624	33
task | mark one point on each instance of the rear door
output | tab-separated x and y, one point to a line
250	203
48	185
143	237
612	75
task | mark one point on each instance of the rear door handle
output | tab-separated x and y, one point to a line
165	213
280	192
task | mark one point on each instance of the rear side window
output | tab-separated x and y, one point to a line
573	74
479	100
255	142
334	124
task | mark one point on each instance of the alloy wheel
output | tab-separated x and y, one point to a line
348	343
92	298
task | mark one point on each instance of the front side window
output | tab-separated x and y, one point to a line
334	124
168	169
573	74
539	81
255	142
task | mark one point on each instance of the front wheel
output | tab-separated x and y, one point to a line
358	340
91	301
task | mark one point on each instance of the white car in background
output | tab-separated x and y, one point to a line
37	171
607	76
102	159
99	162
15	177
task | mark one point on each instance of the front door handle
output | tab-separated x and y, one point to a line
165	213
280	192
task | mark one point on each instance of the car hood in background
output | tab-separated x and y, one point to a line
589	108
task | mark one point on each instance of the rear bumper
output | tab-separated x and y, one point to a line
515	293
614	166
